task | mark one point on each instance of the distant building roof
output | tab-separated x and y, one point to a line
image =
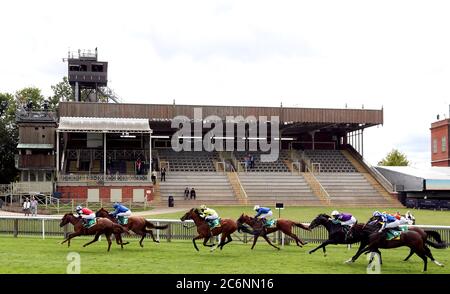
103	125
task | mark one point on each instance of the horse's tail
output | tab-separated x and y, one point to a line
149	225
436	236
300	225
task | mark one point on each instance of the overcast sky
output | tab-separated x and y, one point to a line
391	54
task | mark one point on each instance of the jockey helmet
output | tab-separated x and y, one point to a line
203	207
335	213
376	213
79	208
115	205
256	207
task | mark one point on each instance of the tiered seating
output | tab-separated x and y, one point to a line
350	189
274	166
277	187
192	161
330	161
209	187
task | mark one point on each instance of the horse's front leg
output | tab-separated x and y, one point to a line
193	241
270	243
325	243
358	253
255	238
206	241
72	235
97	235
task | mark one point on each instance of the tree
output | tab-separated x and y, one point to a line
30	94
62	91
394	158
8	138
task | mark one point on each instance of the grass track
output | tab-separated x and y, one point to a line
34	255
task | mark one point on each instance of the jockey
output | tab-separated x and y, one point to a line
389	222
345	219
262	213
121	213
209	215
85	213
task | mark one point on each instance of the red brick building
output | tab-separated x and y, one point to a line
439	143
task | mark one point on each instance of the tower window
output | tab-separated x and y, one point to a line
444	144
434	145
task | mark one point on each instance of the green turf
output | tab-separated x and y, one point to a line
306	214
34	255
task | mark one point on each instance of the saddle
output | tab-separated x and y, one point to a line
214	223
270	223
89	223
122	220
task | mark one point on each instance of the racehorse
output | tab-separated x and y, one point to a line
411	238
336	235
283	225
103	226
137	224
227	227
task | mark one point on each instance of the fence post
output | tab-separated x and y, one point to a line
157	231
43	228
16	227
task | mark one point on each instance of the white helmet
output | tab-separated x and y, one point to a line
203	207
376	213
334	213
79	208
256	207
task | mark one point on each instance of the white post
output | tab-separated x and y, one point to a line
104	156
57	155
157	232
282	239
43	228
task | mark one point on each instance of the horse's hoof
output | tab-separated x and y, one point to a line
349	261
324	255
156	241
310	252
306	242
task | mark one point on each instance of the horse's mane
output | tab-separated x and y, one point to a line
323	215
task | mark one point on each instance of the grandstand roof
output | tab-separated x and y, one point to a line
103	125
414	179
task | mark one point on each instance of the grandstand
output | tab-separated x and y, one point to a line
107	151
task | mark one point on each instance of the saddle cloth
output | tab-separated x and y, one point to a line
214	223
90	223
395	234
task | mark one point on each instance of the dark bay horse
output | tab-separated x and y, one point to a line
415	238
283	225
227	227
336	235
103	226
137	224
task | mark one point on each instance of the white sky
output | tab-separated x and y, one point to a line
394	54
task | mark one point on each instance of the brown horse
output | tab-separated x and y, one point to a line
227	227
283	225
411	238
103	226
137	224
